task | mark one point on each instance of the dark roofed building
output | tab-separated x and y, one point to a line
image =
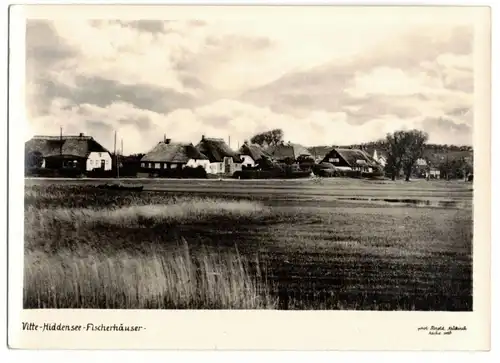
251	154
351	159
169	155
223	160
287	152
82	153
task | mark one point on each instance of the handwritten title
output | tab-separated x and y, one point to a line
90	327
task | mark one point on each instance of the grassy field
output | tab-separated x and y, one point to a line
329	244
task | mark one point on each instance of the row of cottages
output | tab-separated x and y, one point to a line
214	155
351	159
76	153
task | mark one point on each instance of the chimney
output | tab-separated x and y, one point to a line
81	134
165	138
167	141
203	137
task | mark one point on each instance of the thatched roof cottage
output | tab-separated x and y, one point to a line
169	155
82	153
286	152
223	160
251	154
351	159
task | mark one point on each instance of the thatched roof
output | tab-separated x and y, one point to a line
173	153
80	146
216	150
286	151
351	156
254	151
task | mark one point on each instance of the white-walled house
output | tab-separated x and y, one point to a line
79	153
99	160
194	163
379	158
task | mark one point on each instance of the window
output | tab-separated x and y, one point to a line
334	160
157	166
107	162
91	162
143	165
70	163
173	166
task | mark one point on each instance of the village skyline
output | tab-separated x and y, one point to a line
227	78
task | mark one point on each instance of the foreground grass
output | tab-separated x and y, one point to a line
102	257
318	253
124	280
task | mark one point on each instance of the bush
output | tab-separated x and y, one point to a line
326	172
54	173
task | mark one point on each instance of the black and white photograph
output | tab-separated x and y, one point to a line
251	162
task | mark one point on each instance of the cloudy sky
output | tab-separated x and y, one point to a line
323	79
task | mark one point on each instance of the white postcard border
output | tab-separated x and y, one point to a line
265	330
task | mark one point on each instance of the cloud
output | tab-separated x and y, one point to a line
104	92
392	82
317	127
321	82
138	127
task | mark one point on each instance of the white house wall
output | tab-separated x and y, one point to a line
94	161
247	160
216	168
195	163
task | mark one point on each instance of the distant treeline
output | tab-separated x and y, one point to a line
381	146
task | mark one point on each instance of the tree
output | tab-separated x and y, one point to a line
456	168
395	152
414	143
271	137
276	136
404	148
258	139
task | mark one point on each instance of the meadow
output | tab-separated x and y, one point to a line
292	245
